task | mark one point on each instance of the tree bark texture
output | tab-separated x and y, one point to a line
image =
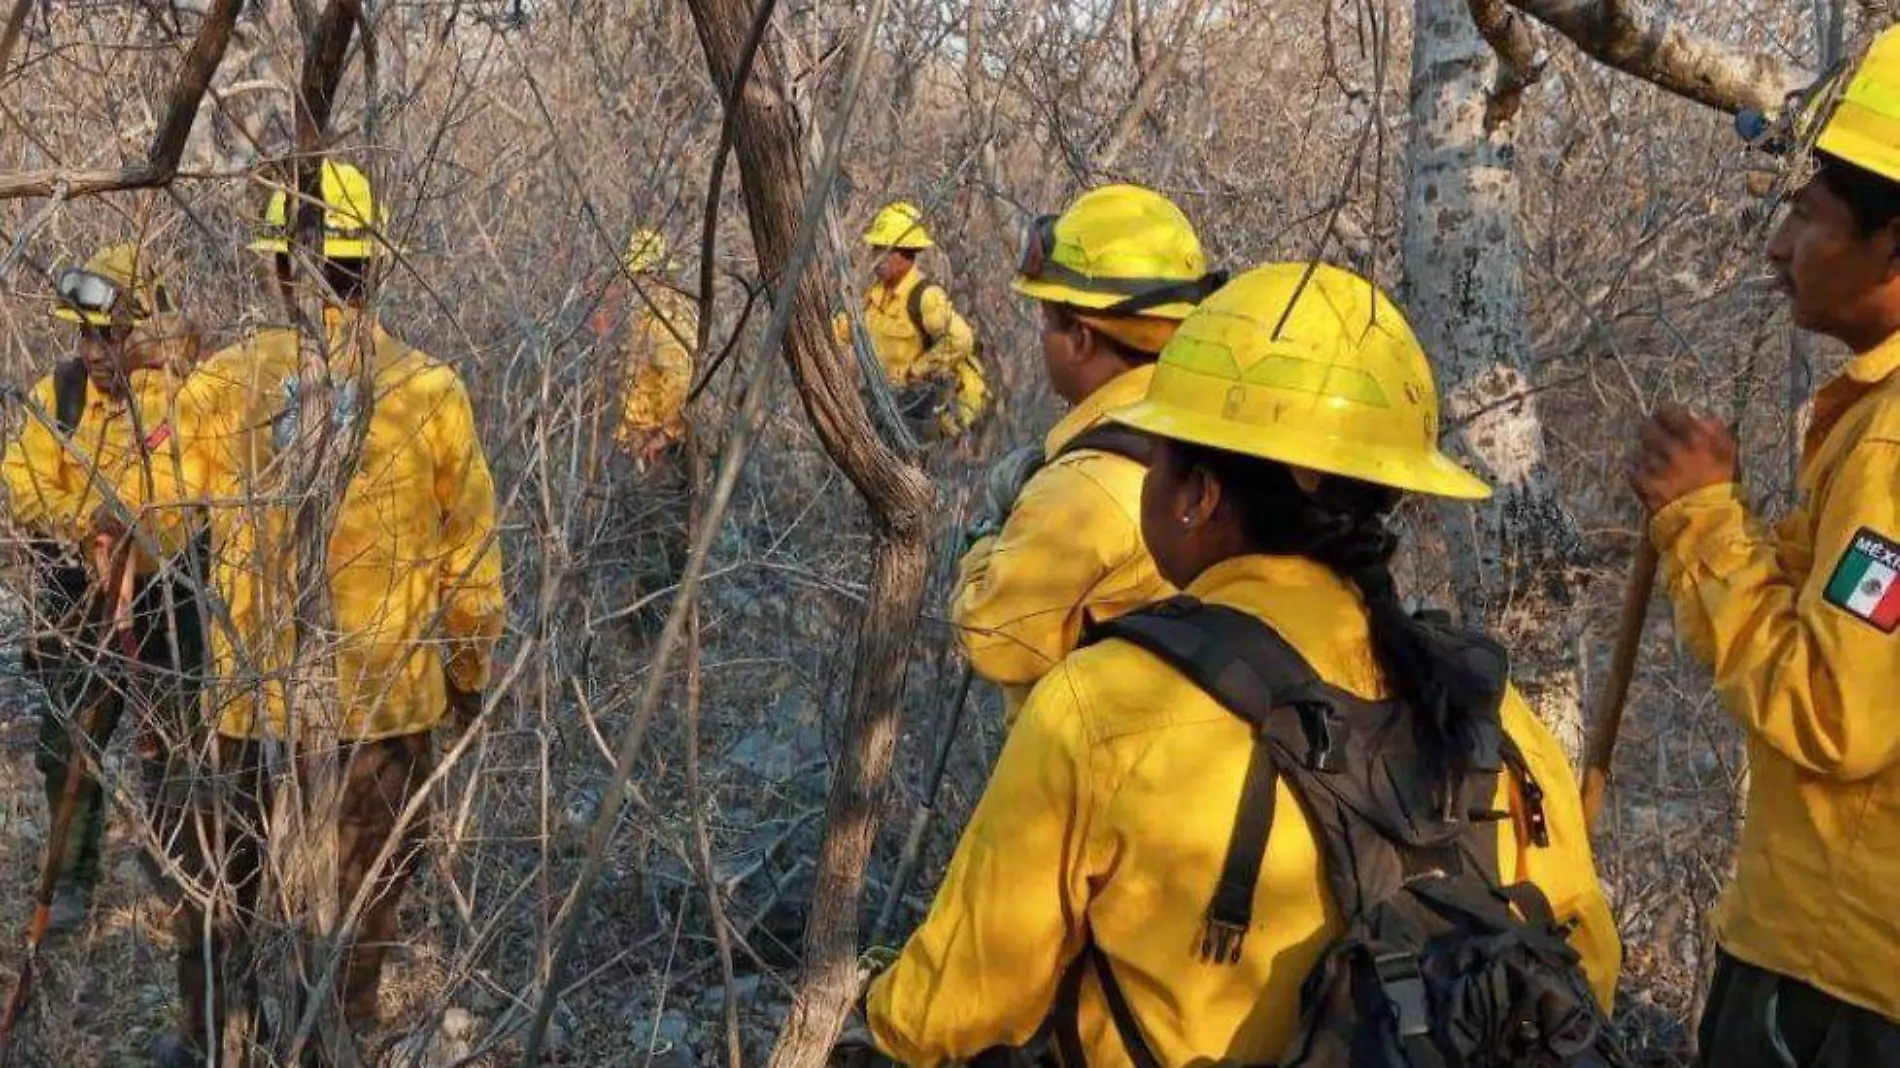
1636	37
326	460
771	154
1510	556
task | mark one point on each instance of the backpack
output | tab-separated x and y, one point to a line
1439	966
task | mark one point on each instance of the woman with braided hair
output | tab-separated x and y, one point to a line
1093	895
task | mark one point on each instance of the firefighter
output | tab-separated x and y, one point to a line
1798	622
1113	276
1102	850
928	351
98	421
414	585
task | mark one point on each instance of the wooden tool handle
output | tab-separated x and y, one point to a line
1607	718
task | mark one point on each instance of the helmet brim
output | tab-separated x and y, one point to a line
1433	474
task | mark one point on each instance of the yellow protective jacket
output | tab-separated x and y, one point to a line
1109	815
118	447
659	369
1070	552
911	358
1798	624
415	571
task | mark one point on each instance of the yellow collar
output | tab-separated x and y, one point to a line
1238	579
1876	364
1118	392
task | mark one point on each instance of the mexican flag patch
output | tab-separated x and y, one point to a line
1866	583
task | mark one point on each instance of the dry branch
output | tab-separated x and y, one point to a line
168	145
1520	58
1636	39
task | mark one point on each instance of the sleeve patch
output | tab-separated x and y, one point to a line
1866	581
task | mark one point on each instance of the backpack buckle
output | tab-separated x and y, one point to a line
1403	984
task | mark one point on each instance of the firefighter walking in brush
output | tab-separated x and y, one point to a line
651	433
928	351
415	587
1800	623
1282	775
1060	546
95	423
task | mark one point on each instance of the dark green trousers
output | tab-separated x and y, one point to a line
1758	1019
89	679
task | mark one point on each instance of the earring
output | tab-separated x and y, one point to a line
1186	520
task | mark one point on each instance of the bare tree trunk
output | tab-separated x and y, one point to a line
1463	287
772	169
326	460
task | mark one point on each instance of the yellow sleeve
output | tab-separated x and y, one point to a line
1019	605
41	494
984	967
955	342
1564	870
471	558
1803	671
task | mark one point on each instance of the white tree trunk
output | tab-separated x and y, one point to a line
1510	556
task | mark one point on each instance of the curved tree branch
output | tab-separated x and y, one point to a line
1636	38
1520	58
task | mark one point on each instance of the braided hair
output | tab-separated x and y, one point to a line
1344	525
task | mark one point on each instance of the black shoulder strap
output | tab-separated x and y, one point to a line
70	383
1116	439
1245	665
914	304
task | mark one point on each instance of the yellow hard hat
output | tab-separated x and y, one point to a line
898	225
647	251
113	288
1120	250
354	224
1336	384
1864	126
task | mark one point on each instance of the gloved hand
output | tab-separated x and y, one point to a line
873	962
1007	478
1001	487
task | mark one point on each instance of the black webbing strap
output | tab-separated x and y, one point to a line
1067	1016
1114	439
914	307
70	383
1247	667
1528	786
1190	292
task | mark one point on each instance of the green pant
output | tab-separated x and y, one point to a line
1758	1019
68	716
89	678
